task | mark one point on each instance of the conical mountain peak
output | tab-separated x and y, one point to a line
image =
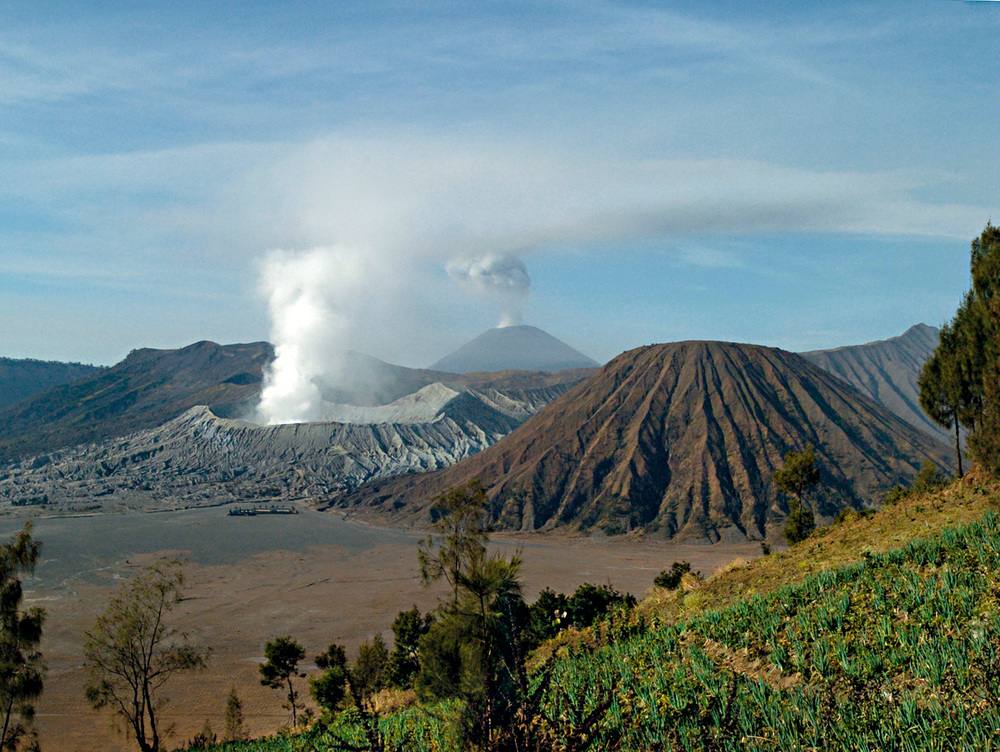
520	348
681	440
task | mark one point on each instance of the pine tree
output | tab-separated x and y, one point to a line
985	442
407	629
793	480
235	730
960	383
21	665
943	391
281	665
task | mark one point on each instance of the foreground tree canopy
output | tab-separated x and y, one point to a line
132	651
20	634
960	383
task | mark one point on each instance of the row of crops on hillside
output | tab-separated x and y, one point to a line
898	652
421	729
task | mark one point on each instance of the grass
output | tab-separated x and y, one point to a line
912	518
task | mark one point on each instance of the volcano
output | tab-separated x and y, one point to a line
887	371
520	348
679	440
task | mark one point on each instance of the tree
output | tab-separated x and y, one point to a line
489	600
793	480
281	664
943	391
329	688
235	730
985	263
21	667
591	602
370	668
460	533
960	383
985	442
548	615
204	738
930	478
132	652
472	650
671	578
799	523
462	529
407	629
333	657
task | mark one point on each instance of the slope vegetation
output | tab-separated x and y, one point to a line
20	379
680	439
877	633
894	651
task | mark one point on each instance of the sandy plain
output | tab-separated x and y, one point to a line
315	576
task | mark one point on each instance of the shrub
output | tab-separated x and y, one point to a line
671	578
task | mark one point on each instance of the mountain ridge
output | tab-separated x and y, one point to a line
147	388
887	370
678	439
22	378
201	458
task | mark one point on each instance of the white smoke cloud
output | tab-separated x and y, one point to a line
384	215
308	297
327	301
500	277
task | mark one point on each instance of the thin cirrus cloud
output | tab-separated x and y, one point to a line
433	197
189	142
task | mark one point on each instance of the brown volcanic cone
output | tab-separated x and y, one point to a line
681	439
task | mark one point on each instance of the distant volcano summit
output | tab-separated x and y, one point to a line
521	348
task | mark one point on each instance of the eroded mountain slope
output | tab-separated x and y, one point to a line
887	371
679	439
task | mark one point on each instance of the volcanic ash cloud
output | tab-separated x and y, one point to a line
501	277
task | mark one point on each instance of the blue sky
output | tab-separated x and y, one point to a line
802	175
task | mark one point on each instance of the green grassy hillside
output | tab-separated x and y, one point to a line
876	634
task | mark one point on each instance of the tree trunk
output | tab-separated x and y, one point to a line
148	703
958	447
6	722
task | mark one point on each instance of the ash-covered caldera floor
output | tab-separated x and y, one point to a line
200	458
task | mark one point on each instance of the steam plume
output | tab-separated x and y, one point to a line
500	277
306	294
